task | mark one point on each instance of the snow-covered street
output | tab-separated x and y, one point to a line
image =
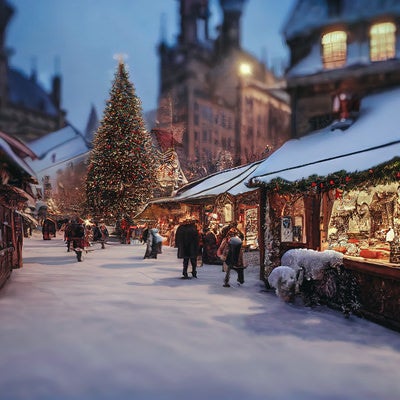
116	326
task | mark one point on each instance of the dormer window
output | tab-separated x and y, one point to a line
334	49
382	41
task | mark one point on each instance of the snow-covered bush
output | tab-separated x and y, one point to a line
283	280
312	262
319	277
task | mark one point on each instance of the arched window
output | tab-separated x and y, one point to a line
382	41
334	49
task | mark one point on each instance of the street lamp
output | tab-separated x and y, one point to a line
245	70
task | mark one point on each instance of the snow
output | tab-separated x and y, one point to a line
65	143
325	152
116	326
313	262
230	181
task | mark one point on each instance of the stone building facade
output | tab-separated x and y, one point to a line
340	50
27	111
218	100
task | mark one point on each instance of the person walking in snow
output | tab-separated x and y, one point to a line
77	232
104	234
152	243
97	235
230	252
187	242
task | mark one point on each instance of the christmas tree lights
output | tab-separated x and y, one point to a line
122	165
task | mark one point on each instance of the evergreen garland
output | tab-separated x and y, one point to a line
380	174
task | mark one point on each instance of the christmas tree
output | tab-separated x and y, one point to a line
122	165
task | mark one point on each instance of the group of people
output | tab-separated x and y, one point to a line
192	244
189	243
79	235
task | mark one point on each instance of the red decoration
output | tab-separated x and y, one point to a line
313	184
338	194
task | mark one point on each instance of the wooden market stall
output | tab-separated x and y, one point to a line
339	190
16	177
215	201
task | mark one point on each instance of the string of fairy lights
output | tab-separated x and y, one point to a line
121	172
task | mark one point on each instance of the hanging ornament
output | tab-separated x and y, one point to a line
338	194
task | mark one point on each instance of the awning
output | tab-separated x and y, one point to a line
13	193
29	218
231	181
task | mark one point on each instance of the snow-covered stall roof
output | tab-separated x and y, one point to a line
58	147
372	140
14	158
231	181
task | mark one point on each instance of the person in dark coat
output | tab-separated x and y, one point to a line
67	235
100	234
77	232
49	229
187	242
230	251
210	246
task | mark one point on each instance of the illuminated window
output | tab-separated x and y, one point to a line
383	41
334	49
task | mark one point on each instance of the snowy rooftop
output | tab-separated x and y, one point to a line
13	157
230	181
308	15
57	147
372	140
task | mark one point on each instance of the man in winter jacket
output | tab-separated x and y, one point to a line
187	242
230	251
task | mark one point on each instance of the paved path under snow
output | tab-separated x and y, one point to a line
118	327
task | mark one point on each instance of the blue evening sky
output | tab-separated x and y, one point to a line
85	35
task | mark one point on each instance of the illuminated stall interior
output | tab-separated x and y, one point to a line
366	222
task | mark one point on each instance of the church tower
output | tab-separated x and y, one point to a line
6	12
230	32
194	21
210	109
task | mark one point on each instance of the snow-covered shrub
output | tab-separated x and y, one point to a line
283	280
312	262
319	277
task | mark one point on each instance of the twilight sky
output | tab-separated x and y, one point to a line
80	39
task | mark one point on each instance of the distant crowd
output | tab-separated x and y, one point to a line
195	245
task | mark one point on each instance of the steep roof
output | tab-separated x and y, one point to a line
231	181
91	126
27	93
15	163
58	147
